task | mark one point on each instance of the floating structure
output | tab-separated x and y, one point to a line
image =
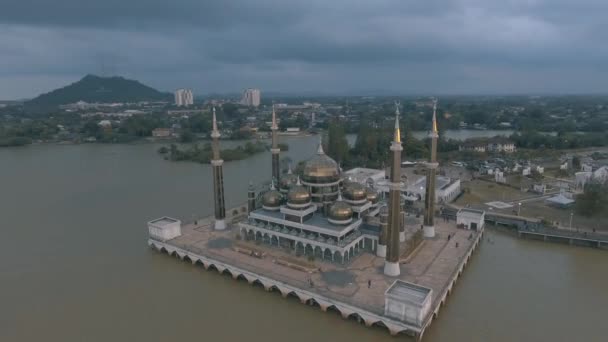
377	265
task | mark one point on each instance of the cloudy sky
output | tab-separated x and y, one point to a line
321	46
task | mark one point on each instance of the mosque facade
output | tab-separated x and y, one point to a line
323	214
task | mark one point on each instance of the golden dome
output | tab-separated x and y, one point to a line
355	192
272	199
298	195
372	195
321	168
287	181
340	212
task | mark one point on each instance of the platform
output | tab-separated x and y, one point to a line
356	288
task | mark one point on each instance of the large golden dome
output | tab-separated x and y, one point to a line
355	192
340	213
298	195
321	168
272	199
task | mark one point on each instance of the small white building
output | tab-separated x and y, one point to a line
470	218
446	189
586	168
539	188
408	302
526	171
164	228
564	166
365	176
540	169
499	176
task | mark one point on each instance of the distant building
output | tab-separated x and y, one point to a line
161	132
495	144
251	97
499	176
184	97
446	189
582	178
105	123
500	144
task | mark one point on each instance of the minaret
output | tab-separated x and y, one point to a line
429	200
218	178
391	263
381	247
275	147
250	198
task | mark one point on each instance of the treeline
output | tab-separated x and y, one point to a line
563	140
372	147
594	200
203	154
14	141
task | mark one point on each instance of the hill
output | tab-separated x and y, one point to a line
93	88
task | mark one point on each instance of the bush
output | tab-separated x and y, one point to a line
15	141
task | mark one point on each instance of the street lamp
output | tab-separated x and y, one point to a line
519	209
571	214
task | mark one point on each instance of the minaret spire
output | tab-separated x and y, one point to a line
429	199
276	173
434	130
397	137
320	147
218	178
391	263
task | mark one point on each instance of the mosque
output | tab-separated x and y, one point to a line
322	213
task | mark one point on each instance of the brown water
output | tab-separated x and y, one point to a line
74	264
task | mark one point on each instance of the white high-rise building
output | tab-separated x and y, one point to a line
183	97
251	97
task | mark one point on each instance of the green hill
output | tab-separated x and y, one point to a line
93	88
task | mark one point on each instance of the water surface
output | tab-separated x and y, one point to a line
75	265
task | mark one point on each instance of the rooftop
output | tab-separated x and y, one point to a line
441	183
408	291
472	211
163	221
316	220
362	174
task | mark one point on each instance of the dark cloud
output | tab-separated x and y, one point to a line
409	46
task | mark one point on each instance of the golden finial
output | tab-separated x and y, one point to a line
397	137
435	116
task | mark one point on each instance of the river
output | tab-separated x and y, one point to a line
75	265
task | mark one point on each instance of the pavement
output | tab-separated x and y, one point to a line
432	265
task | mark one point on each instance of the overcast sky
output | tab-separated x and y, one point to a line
330	46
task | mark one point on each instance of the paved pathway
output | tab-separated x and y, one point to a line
432	265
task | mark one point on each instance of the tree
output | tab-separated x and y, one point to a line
186	136
594	200
337	145
576	163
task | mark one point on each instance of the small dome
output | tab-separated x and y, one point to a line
287	181
340	213
355	192
298	195
372	195
272	199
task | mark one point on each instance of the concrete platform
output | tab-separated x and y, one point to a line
435	264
